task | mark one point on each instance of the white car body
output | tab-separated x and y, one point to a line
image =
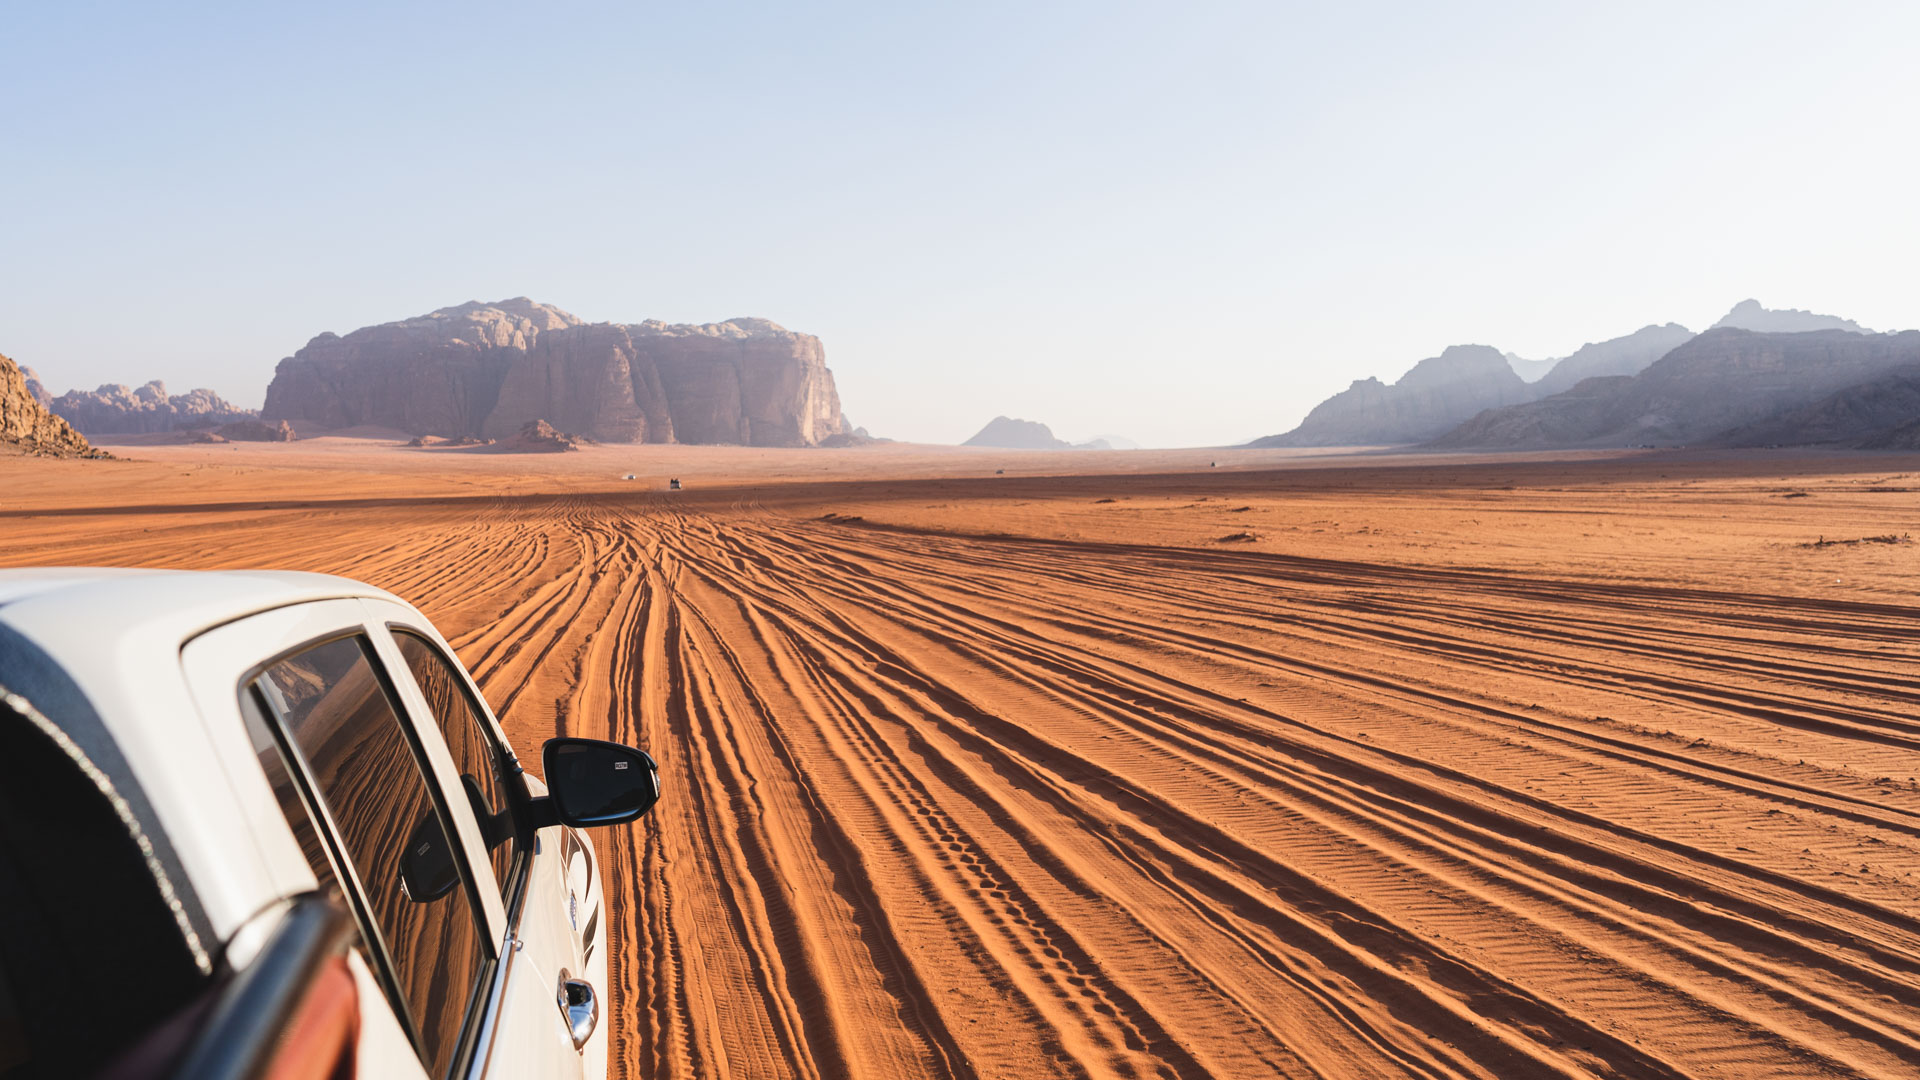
164	660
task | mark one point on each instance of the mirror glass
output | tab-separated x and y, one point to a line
599	783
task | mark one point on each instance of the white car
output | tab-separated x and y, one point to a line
264	825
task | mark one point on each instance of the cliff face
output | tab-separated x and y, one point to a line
489	369
589	379
115	409
1436	395
26	425
437	374
1710	389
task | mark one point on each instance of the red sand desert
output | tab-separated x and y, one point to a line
1194	764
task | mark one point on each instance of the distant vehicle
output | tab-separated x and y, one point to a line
673	485
264	825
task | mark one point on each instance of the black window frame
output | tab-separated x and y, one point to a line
513	893
485	983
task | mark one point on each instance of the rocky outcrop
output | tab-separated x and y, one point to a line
1007	433
26	425
256	430
1749	315
1427	401
488	369
116	409
1629	355
538	437
1709	390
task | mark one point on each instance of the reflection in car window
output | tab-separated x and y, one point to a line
338	715
481	766
267	749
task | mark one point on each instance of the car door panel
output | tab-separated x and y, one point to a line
446	774
531	1036
214	664
383	1049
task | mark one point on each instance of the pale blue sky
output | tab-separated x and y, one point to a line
1184	223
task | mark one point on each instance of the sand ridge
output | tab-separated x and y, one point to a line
1559	768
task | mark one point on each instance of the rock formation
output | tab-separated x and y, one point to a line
35	389
539	437
115	409
1749	315
1869	413
1006	433
256	430
1629	355
1427	401
26	426
488	369
1711	389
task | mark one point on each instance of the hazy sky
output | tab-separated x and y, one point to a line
1183	223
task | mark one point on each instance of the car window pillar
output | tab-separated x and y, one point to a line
445	774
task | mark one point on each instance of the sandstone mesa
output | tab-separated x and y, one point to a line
488	369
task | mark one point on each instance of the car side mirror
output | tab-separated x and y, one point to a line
591	782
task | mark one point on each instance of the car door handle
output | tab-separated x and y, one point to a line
581	1006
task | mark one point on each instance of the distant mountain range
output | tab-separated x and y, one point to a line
1427	402
1757	377
1007	433
1725	387
115	409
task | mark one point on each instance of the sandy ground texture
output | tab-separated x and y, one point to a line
1196	764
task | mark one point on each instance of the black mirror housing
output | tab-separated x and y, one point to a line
591	783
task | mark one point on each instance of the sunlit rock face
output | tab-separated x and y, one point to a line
489	369
26	425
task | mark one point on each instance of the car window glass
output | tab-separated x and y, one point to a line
474	752
330	701
274	764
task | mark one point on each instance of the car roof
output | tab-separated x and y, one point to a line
97	653
143	588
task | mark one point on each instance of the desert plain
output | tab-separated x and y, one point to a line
1168	764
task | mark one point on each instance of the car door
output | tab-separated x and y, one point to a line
311	680
546	880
